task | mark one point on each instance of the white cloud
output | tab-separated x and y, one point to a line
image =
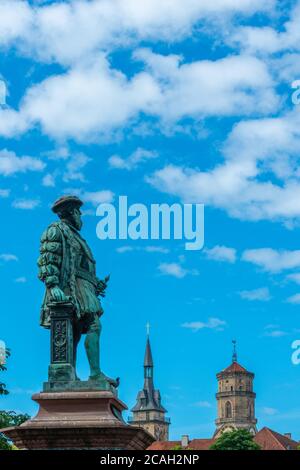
11	164
135	159
88	102
295	277
148	249
4	193
26	204
221	253
275	333
266	410
195	90
259	178
212	323
74	167
262	294
49	180
176	270
268	40
8	257
67	32
91	101
97	197
21	280
203	404
294	299
272	260
156	249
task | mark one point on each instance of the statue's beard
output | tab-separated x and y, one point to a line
76	223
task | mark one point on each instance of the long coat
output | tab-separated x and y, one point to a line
66	261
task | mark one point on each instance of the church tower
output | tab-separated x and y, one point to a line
148	412
236	399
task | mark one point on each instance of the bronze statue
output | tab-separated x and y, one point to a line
68	269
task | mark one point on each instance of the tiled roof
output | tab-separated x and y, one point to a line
272	440
266	438
194	444
235	367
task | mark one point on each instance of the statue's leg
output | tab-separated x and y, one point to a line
92	347
76	338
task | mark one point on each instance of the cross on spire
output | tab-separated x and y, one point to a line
148	328
234	353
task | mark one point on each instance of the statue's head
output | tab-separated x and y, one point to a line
68	208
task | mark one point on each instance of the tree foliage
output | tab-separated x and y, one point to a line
239	439
3	389
8	418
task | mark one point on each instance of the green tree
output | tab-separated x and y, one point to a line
8	418
239	439
3	389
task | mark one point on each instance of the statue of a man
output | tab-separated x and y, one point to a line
67	267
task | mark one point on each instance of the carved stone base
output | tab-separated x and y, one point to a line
79	385
78	420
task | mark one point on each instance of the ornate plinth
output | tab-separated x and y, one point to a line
78	420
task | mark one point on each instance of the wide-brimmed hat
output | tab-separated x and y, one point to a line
66	202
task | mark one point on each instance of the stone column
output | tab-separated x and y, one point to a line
62	368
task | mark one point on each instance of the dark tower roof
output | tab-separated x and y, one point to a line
148	398
148	360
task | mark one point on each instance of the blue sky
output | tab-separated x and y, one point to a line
162	101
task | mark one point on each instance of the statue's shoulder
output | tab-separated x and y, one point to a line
52	233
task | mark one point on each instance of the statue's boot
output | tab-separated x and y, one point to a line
93	354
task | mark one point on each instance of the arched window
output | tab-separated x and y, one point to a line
228	410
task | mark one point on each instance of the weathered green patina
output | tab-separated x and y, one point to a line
71	305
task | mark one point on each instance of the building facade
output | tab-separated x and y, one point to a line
235	399
148	411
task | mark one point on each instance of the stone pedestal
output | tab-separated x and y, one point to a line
78	420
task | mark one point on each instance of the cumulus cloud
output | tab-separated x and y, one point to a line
92	101
259	177
97	197
295	277
49	180
4	193
269	40
212	323
147	249
274	331
75	166
272	260
8	257
221	253
203	404
11	164
195	89
294	299
135	159
88	102
176	270
26	204
266	410
21	280
67	32
262	294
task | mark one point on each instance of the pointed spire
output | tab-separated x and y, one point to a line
148	360
148	398
234	353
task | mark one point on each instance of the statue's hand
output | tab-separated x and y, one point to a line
58	295
101	286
